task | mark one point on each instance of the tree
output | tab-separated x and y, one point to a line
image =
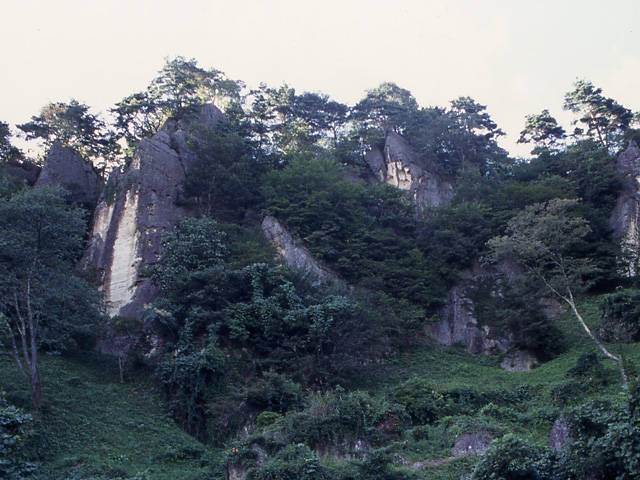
8	152
180	87
545	238
73	126
543	130
472	136
604	118
387	107
42	303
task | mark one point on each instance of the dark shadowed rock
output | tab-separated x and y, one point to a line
65	167
398	164
458	324
138	210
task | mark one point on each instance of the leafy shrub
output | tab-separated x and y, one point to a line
275	392
293	462
15	427
337	416
620	320
423	403
511	458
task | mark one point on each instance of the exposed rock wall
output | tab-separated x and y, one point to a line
65	167
129	224
398	164
458	323
295	256
625	218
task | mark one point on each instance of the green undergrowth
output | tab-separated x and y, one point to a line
91	426
410	409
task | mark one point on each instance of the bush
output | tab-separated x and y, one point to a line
293	462
336	417
620	320
513	459
15	428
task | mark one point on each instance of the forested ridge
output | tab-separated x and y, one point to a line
246	367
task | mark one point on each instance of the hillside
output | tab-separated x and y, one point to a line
279	286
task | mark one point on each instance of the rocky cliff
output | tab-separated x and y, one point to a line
625	218
136	212
398	164
64	167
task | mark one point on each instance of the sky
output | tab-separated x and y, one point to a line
517	57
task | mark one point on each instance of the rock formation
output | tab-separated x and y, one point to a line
65	167
398	164
137	210
295	256
458	324
625	218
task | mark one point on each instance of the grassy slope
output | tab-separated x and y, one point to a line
92	425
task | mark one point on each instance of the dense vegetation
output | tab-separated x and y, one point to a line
275	377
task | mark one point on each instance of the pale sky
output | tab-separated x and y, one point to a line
516	57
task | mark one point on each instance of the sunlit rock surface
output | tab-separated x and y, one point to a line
137	210
625	218
398	164
295	256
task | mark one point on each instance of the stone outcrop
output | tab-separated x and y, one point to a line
457	321
457	324
295	256
65	167
625	218
137	210
398	164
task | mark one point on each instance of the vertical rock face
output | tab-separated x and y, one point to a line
398	164
458	324
65	167
130	222
625	218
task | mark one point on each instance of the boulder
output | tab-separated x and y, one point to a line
398	164
138	209
65	167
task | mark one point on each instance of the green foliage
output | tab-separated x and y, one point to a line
224	181
189	379
293	462
543	130
621	316
15	429
72	125
274	392
510	458
8	152
43	303
604	118
340	417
